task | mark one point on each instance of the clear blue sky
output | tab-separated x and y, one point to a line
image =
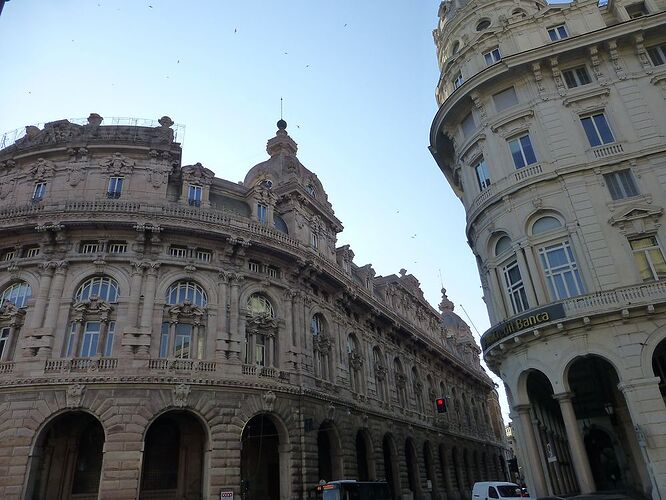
357	79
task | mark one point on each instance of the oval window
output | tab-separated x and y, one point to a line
483	24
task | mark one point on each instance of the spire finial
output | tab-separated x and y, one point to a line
281	124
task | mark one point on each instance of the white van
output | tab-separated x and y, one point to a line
489	490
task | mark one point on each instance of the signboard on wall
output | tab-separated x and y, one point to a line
525	321
226	495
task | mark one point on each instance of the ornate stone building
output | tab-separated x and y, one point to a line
552	132
168	334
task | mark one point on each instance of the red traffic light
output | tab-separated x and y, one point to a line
441	405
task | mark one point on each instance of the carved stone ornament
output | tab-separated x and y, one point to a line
94	306
42	170
74	395
7	186
180	394
330	411
118	164
261	324
322	343
268	399
355	360
380	372
187	310
400	379
10	314
637	219
197	173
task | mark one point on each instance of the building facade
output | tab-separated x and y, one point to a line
552	132
168	334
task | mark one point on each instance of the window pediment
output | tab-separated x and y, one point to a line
473	149
512	123
262	324
637	219
587	99
187	310
94	306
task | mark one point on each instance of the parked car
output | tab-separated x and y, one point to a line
488	490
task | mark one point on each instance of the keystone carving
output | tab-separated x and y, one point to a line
180	394
268	399
117	164
74	395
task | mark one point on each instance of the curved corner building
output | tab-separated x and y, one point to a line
552	132
168	334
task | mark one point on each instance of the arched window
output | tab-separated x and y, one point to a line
183	328
503	245
355	364
18	294
509	276
417	387
321	345
92	327
557	258
182	291
380	373
483	24
400	383
261	329
519	12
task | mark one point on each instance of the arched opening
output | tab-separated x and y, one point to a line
413	476
444	470
364	463
659	366
261	462
430	469
173	458
468	478
458	472
328	451
610	440
391	472
551	434
67	460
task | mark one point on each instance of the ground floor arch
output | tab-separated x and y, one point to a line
365	464
67	458
413	474
329	452
391	468
173	458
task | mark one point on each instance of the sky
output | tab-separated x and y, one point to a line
357	80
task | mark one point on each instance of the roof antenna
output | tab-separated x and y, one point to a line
280	108
470	321
441	281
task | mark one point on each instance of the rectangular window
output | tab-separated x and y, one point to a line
115	188
90	247
8	255
39	191
314	240
522	151
621	184
657	54
637	10
597	130
468	126
90	339
71	340
576	77
492	56
515	287
649	258
260	350
178	252
182	341
110	333
458	80
272	272
32	252
164	341
203	255
195	195
561	271
253	266
117	247
482	176
505	99
4	340
558	33
262	213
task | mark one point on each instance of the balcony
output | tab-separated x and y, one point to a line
113	195
182	365
607	150
6	367
80	365
194	202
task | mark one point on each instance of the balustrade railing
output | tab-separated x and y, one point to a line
182	365
6	367
80	365
607	150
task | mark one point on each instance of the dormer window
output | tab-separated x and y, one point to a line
266	183
558	32
262	213
39	191
195	195
311	190
115	188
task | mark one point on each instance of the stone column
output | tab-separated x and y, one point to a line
38	309
526	276
222	333
235	333
539	291
576	444
55	295
134	296
149	289
533	459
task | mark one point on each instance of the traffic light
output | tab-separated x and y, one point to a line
441	405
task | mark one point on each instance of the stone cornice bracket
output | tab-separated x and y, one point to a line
557	76
641	52
538	79
42	228
615	59
74	395
593	53
478	104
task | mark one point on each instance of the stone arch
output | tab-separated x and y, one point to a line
77	275
22	276
654	339
391	464
491	241
203	279
329	452
594	350
365	463
272	295
412	462
66	456
429	468
543	212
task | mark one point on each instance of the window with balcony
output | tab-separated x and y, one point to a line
621	184
468	126
183	327
482	175
561	271
558	32
597	129
649	258
39	191
458	80
195	195
657	54
522	151
115	187
262	213
90	246
178	252
505	99
576	77
492	56
261	328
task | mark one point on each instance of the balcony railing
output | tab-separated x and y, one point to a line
6	367
505	182
187	365
607	150
80	365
